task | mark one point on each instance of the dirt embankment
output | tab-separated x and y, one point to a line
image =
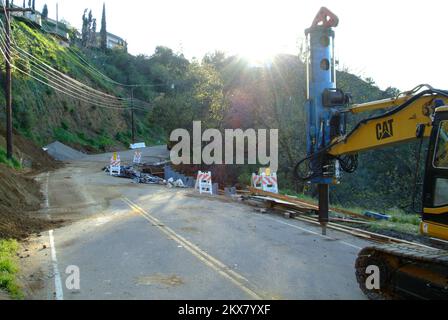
20	195
31	156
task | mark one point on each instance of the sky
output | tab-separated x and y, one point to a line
398	43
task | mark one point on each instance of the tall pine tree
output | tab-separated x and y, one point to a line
93	38
45	12
103	31
85	29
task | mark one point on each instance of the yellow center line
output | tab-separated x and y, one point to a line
207	259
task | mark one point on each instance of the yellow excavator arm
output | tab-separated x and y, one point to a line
409	117
399	125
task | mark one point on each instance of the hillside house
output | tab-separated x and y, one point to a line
34	19
114	42
58	29
62	30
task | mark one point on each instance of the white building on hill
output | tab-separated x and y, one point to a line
113	41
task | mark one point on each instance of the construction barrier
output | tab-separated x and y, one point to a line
115	165
204	182
265	181
137	157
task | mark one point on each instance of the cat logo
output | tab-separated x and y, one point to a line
385	130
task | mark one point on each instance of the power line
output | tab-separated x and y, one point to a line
63	76
51	77
93	71
58	87
48	76
62	86
84	64
87	65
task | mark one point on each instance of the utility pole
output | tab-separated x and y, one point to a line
133	86
132	115
57	18
8	83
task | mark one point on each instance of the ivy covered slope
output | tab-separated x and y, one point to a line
44	114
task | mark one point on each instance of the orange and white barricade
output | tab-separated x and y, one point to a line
115	165
137	157
270	183
265	181
257	181
204	182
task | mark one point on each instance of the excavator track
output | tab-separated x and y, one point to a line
406	272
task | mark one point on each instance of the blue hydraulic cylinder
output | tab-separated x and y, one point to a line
321	77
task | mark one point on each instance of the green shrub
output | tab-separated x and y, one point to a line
10	163
9	268
103	141
64	125
124	138
65	136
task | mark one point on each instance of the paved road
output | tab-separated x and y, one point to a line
149	242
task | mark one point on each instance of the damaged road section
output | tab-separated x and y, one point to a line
139	174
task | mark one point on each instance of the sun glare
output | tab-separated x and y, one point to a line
261	36
258	56
258	51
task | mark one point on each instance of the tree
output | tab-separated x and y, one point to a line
85	29
92	39
34	5
198	94
88	24
392	92
90	28
217	59
45	12
103	31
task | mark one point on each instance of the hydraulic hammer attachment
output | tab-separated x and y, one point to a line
323	107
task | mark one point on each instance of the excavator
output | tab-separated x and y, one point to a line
405	271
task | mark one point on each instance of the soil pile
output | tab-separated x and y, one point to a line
20	196
29	154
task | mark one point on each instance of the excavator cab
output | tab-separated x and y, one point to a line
435	194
